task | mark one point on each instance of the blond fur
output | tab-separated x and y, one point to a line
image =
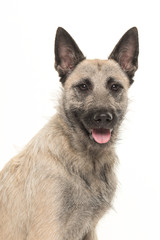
63	181
33	185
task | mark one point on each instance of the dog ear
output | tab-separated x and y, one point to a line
126	52
67	53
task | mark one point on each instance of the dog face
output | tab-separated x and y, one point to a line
95	91
95	98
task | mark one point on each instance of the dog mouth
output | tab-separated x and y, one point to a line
101	135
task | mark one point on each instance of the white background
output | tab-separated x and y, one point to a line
29	86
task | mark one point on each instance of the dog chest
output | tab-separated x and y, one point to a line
81	200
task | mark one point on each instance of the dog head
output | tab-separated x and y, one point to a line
95	91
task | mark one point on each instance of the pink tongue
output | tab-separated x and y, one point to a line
101	135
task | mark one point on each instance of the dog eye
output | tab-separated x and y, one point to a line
115	87
83	87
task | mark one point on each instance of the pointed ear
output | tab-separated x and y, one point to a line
67	53
126	52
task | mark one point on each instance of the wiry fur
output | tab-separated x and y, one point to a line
63	182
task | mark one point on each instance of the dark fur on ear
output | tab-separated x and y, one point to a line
126	52
67	54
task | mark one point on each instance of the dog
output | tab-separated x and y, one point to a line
63	181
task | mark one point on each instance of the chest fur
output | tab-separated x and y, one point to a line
88	195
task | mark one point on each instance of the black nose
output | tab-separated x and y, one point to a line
103	118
